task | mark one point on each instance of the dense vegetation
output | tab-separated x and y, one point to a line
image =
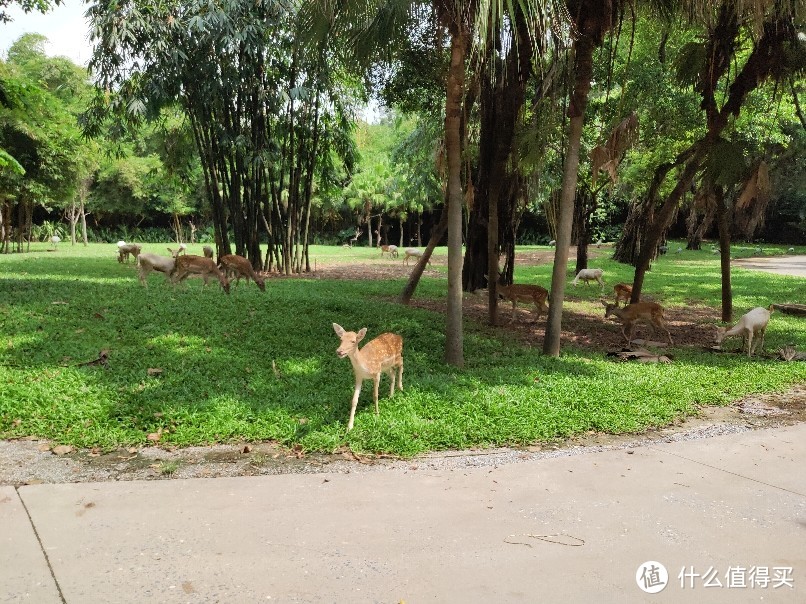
200	366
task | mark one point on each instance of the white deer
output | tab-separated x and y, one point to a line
752	323
384	354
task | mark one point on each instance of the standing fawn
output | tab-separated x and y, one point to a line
238	266
188	265
523	293
589	274
623	292
384	354
648	312
752	323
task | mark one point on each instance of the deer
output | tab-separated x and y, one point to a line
389	249
523	293
413	252
648	312
238	266
126	249
352	240
589	274
208	251
753	322
153	262
384	354
189	264
623	292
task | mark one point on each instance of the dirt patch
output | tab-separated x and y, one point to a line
30	461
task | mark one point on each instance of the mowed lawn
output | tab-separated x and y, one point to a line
197	366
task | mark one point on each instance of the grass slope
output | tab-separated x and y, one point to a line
262	366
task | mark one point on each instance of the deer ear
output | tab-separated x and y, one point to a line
338	329
360	335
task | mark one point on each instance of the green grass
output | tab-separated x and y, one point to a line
262	366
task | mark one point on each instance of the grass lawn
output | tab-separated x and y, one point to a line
204	367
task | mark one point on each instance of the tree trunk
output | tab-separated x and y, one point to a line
583	61
724	222
454	348
437	234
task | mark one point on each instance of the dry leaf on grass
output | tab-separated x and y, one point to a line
155	370
62	449
155	436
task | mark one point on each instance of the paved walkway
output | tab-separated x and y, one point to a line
783	265
569	529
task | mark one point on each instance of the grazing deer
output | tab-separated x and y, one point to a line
413	252
523	293
208	251
389	249
384	354
153	262
188	265
589	274
125	249
623	292
752	323
648	312
238	266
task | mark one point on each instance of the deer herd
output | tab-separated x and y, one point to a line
384	354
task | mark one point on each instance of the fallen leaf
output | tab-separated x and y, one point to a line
44	447
246	449
16	423
58	302
303	421
154	370
155	436
80	330
132	449
98	316
158	415
62	449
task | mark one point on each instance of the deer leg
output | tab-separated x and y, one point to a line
400	376
392	375
354	403
514	305
750	344
762	339
377	381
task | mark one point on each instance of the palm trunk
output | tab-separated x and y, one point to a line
583	50
724	221
454	353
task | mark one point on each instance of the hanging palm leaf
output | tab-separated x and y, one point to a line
751	205
609	156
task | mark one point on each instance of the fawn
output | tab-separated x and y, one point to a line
523	293
623	292
649	312
198	265
238	266
384	354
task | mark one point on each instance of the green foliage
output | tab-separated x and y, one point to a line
246	367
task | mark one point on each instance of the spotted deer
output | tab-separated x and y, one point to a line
523	293
238	266
647	312
384	354
205	268
623	292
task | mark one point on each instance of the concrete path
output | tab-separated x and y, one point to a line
783	265
569	529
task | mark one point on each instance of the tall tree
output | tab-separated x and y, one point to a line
592	19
